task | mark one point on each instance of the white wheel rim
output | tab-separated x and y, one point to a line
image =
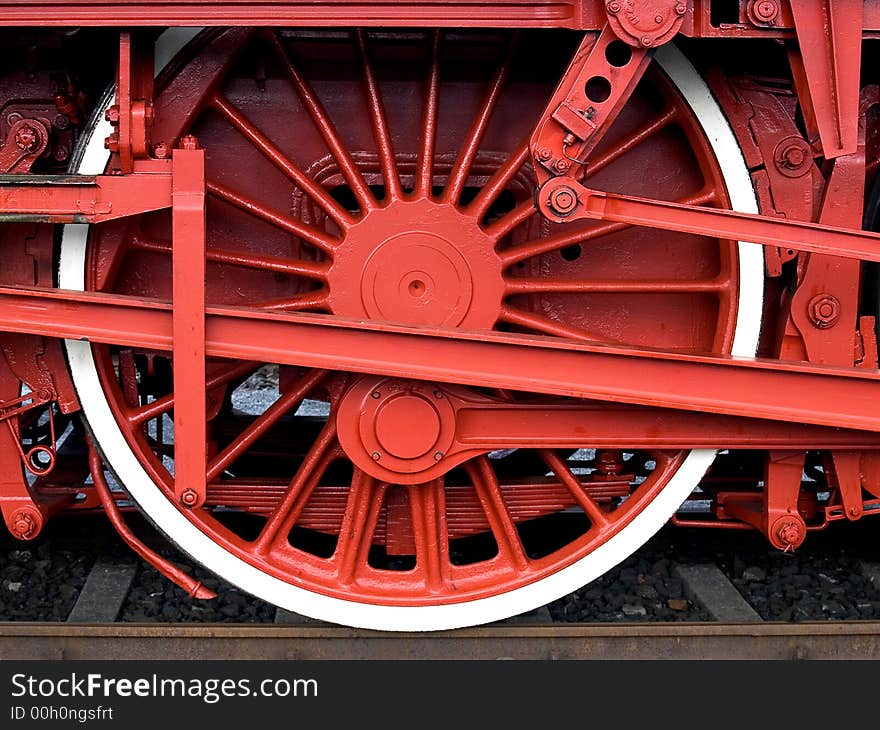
148	495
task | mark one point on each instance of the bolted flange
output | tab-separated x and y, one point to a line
396	429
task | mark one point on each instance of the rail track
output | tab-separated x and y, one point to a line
821	640
723	620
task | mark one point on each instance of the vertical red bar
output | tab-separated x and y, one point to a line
188	257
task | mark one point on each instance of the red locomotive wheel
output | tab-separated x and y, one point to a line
386	175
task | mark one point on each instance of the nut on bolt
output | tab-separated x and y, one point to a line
112	114
189	498
789	532
613	7
824	310
762	12
563	200
26	137
25	523
793	157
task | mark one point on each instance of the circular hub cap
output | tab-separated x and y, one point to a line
418	262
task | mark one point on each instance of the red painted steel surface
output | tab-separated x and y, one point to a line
490	279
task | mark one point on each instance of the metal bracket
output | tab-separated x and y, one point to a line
188	323
827	68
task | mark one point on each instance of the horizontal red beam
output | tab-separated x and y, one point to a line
797	392
459	13
578	14
85	199
506	426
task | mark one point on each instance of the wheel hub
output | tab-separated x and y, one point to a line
395	429
418	262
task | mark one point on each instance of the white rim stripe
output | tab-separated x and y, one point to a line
420	618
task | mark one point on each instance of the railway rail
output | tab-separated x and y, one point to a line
821	640
730	627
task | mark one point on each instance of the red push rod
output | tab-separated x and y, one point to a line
725	224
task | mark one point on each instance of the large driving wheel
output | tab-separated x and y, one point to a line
386	176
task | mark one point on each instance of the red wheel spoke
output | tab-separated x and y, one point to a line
262	423
271	152
461	170
311	300
616	286
393	189
318	239
262	262
144	413
544	325
362	510
428	506
500	522
425	176
334	118
539	247
508	222
499	181
325	127
307	477
630	142
597	516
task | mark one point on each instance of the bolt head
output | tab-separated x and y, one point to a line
766	10
112	114
613	8
189	498
560	165
789	532
646	41
160	151
680	9
658	19
794	156
824	310
24	524
26	138
438	455
563	200
112	143
544	154
376	456
376	394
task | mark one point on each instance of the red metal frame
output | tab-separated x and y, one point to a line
684	400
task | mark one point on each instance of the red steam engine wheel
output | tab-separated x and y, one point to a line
386	176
